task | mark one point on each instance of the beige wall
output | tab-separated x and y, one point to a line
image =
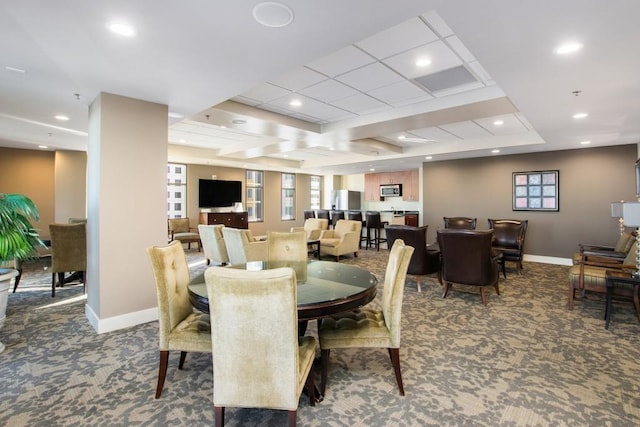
30	172
590	179
70	185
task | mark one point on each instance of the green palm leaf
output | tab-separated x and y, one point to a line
18	238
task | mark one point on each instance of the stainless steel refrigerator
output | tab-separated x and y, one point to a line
344	200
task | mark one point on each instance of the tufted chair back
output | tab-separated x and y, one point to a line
288	250
255	367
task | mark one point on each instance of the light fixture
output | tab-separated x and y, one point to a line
371	170
272	14
616	212
175	115
43	146
428	157
579	116
585	142
15	70
496	151
61	117
567	48
423	62
295	103
498	123
401	137
238	122
631	218
121	28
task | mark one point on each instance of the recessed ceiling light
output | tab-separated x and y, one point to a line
423	62
295	103
580	115
61	118
121	28
428	157
498	122
175	115
331	149
585	142
272	14
43	146
238	122
15	70
371	170
182	141
496	151
401	137
567	48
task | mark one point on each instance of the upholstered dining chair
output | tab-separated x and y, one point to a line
68	252
288	250
213	243
460	222
468	259
368	327
179	229
423	261
242	247
508	238
180	327
259	360
313	227
343	239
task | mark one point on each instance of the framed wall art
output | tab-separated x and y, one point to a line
536	191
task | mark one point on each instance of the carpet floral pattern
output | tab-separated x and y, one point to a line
523	360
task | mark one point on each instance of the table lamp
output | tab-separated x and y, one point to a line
616	212
631	217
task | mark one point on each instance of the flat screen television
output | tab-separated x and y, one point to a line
216	193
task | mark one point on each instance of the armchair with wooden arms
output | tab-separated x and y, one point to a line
618	252
179	229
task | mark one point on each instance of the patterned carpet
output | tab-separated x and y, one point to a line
523	360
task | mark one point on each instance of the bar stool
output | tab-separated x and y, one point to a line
322	213
357	216
335	216
309	214
376	225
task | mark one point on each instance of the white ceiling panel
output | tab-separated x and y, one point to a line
329	91
458	47
511	125
435	134
311	107
370	77
265	93
298	79
480	72
436	22
402	37
466	130
340	62
438	53
401	93
361	104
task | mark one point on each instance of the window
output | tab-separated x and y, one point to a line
254	185
288	196
314	191
176	191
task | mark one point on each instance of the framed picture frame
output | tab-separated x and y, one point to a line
536	191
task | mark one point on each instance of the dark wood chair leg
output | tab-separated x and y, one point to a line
394	354
291	418
219	410
162	371
53	285
447	286
183	355
325	366
483	296
311	388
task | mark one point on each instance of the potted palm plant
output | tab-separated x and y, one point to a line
18	240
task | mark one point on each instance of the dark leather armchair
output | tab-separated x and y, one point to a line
423	261
508	238
468	259
460	222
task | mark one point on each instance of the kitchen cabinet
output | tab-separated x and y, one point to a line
408	179
372	187
410	185
411	219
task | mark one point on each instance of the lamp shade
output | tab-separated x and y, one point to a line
616	209
631	214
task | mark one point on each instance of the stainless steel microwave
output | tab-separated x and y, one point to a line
391	190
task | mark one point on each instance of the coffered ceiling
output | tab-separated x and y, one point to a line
344	88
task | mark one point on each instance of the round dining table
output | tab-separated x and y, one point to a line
329	288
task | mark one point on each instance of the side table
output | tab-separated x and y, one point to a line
616	279
314	247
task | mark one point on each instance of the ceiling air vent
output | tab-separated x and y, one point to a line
446	79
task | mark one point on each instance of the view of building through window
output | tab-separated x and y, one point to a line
314	191
176	191
288	196
254	185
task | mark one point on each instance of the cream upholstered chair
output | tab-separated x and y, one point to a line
313	227
213	243
288	250
343	239
180	327
259	359
68	252
368	327
242	247
179	229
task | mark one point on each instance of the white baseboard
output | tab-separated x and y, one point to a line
548	259
120	322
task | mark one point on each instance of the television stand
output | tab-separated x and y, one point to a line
228	219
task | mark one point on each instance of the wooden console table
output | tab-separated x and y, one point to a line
228	219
